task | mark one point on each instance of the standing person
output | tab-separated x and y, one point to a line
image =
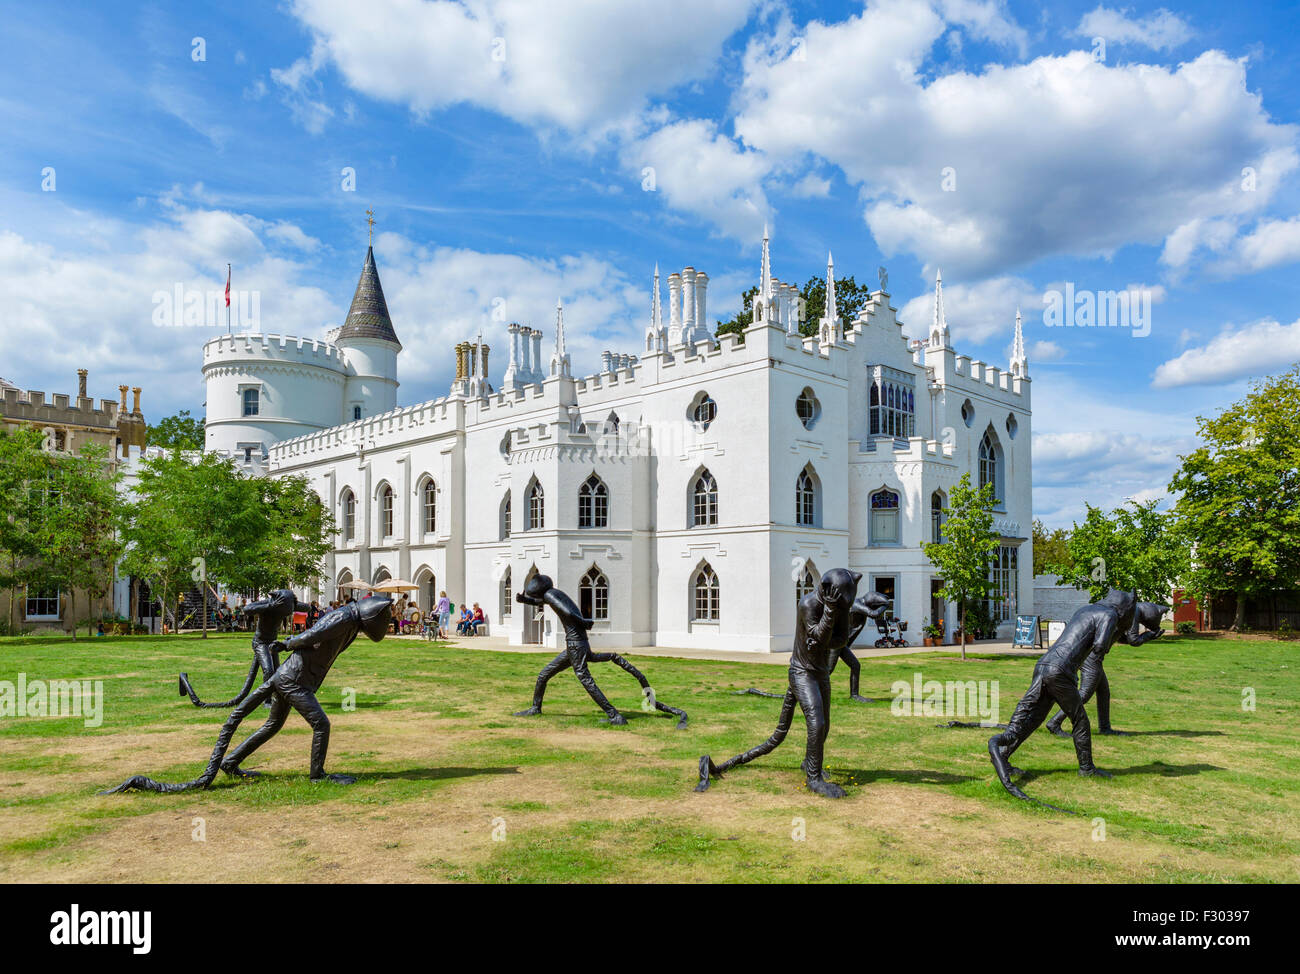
443	611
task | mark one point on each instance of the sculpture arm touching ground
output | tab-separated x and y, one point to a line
293	686
577	654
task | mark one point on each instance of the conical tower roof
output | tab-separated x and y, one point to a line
368	316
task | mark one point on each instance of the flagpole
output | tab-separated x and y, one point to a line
227	299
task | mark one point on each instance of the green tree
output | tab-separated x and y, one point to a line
1134	547
1239	495
157	542
76	527
180	431
850	298
295	538
22	461
962	558
1049	546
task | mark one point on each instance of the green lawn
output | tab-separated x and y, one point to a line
454	788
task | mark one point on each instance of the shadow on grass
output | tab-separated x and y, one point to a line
1158	768
915	776
431	774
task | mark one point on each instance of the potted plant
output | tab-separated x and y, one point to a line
932	633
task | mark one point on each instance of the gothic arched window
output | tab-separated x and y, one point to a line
429	506
505	517
349	505
884	518
990	464
386	511
706	595
704	500
536	507
806	584
593	595
805	498
593	503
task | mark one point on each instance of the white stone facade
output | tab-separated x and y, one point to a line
794	481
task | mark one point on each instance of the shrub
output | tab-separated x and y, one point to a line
1185	628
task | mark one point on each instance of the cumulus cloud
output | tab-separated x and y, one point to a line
1162	31
1257	349
700	170
92	301
1226	249
976	312
981	172
1093	448
575	64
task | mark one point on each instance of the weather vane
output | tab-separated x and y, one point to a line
370	220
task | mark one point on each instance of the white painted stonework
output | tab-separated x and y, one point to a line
633	426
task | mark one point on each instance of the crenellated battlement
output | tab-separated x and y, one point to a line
432	418
281	349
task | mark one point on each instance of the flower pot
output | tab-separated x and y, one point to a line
928	641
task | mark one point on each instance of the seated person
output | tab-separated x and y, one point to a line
462	624
476	620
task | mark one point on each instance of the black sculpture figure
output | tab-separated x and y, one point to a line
821	630
292	685
866	608
1092	676
541	591
1092	629
269	615
870	606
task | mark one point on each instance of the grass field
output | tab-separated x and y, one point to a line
453	788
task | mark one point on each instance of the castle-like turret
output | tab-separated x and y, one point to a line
264	388
371	347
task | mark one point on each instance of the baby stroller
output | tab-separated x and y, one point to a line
891	631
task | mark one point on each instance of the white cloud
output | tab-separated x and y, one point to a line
1161	31
89	300
698	169
1257	349
1061	155
1044	351
976	312
576	64
1091	447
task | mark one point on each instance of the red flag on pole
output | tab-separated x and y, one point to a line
227	285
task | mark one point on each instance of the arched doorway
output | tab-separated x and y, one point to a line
427	595
341	594
534	622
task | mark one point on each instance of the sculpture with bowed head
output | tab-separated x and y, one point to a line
540	591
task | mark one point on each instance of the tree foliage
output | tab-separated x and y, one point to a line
962	558
850	297
1134	547
1049	546
1239	495
180	431
61	520
199	519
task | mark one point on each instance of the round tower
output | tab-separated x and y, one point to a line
265	388
370	346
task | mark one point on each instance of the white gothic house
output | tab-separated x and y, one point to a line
685	496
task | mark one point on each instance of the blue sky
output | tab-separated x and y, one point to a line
518	153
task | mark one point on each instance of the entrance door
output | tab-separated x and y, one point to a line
936	602
533	624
